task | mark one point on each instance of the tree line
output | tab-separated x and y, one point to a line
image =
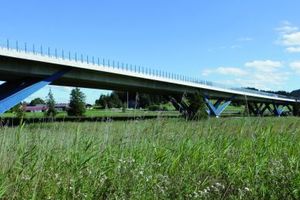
295	93
118	99
77	105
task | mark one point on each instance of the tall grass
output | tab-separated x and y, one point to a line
251	158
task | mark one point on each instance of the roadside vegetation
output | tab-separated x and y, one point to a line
236	158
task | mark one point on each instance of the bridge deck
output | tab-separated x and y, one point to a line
17	64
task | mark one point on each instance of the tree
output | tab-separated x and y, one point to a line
115	100
102	101
197	107
295	93
77	103
37	101
296	109
51	112
19	110
110	101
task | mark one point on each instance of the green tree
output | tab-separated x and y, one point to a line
51	112
115	101
37	101
19	110
77	103
109	101
296	109
102	101
197	107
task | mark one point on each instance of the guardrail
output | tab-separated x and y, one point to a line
68	55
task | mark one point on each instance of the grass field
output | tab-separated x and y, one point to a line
233	158
102	113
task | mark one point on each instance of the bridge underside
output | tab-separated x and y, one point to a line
217	106
24	77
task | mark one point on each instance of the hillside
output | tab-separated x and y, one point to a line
295	93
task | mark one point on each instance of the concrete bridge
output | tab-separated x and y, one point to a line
25	72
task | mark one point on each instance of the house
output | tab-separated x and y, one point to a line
43	108
37	108
62	106
89	106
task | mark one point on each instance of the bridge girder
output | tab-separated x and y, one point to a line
12	93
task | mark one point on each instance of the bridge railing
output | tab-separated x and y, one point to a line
92	60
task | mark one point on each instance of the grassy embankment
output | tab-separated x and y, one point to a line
249	158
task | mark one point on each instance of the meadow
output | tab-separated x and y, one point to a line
117	112
99	113
226	158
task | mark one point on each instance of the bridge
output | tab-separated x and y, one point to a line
26	71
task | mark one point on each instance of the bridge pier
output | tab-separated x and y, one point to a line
217	108
12	93
180	106
191	106
259	109
278	109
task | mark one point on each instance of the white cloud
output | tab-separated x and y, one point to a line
261	74
287	27
289	36
273	81
234	71
293	49
206	72
295	66
264	65
291	39
235	46
244	39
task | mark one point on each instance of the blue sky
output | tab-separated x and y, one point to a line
245	43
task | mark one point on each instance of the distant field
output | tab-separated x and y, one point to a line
230	111
119	113
102	113
230	158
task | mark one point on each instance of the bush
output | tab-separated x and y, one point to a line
154	108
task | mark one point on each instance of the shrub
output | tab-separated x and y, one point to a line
154	107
